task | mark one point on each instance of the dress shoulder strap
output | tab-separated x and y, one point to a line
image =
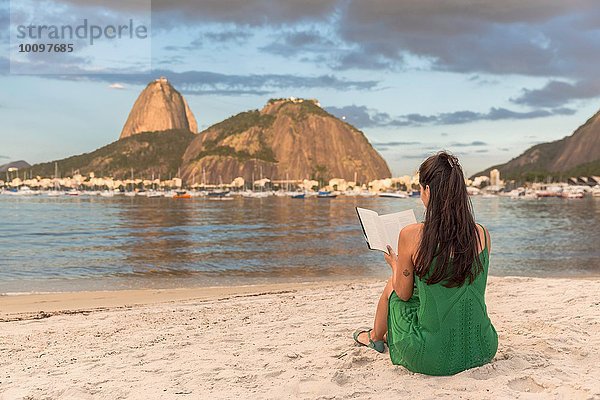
484	237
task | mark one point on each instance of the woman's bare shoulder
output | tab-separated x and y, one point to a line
412	230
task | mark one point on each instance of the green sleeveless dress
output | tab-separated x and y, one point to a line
440	330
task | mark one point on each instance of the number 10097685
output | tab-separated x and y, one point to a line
45	48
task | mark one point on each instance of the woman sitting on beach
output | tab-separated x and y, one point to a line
432	311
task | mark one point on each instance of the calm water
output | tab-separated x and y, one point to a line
49	244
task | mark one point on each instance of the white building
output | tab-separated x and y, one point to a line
495	177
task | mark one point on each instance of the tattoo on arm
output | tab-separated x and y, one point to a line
405	272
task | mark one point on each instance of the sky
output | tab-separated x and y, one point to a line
484	79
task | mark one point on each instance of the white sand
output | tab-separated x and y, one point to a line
296	345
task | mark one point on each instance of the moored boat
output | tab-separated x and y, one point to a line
396	195
325	194
218	193
182	194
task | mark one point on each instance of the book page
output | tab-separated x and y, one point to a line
393	224
374	232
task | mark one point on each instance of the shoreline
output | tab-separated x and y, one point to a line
39	305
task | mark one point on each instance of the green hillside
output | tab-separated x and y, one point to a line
158	153
575	155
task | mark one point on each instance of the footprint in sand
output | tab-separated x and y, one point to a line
525	384
274	374
485	372
340	378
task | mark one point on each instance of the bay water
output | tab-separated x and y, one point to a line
97	243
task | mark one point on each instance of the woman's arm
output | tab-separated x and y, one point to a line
402	265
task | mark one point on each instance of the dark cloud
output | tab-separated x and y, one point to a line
556	93
228	35
237	36
4	157
326	49
363	117
556	39
535	38
482	81
548	38
204	82
532	38
168	13
175	13
495	114
297	42
359	59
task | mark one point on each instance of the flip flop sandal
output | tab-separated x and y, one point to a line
375	345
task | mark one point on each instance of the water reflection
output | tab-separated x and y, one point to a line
139	242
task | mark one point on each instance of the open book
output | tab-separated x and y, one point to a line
383	230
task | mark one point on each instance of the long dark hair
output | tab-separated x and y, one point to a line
448	251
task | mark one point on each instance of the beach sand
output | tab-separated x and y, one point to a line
284	341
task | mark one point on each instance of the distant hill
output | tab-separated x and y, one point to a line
146	153
159	107
288	137
575	155
21	164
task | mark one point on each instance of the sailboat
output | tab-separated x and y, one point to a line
153	192
56	191
131	193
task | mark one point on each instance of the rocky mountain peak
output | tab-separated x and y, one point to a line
159	107
293	138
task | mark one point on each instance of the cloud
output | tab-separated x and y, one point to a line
483	81
396	143
297	42
363	117
227	35
237	36
555	39
556	93
419	156
4	157
359	116
537	37
168	13
469	144
543	38
117	86
205	82
551	38
383	146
